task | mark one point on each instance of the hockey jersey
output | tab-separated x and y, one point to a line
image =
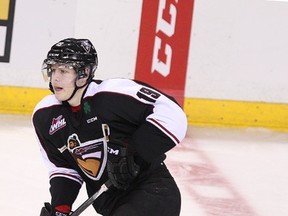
73	143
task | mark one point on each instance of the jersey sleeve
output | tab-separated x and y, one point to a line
65	182
164	128
160	121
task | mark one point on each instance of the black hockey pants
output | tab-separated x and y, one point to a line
154	194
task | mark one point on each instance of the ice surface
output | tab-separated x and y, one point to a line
220	172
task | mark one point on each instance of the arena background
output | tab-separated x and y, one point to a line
225	61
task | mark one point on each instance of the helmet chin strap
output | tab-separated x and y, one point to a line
81	74
76	87
75	90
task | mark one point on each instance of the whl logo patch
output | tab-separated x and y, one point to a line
57	124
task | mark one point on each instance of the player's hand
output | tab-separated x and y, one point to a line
48	210
121	167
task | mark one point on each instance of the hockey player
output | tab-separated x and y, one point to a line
117	130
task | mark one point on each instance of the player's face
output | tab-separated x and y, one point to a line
63	79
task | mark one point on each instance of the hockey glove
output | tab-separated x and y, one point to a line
48	210
121	167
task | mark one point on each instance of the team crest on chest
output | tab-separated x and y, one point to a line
91	156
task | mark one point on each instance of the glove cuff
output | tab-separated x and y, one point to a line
63	209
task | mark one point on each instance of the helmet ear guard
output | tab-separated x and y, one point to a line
86	71
82	73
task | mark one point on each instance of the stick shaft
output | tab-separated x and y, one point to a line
89	201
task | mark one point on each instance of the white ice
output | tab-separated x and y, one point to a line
220	171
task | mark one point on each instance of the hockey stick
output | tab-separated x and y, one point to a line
91	199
